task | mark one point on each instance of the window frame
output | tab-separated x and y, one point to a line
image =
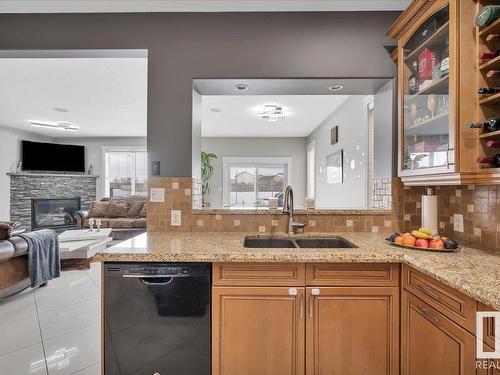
119	150
251	162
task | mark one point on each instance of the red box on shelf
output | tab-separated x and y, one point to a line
425	65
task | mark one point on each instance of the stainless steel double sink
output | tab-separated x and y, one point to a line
294	243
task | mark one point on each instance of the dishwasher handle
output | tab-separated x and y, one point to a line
138	276
155	280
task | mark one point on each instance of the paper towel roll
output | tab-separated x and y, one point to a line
430	212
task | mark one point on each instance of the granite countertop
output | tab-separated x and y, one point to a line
474	272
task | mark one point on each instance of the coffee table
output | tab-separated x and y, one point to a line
77	247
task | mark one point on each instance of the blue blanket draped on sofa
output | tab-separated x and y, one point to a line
43	256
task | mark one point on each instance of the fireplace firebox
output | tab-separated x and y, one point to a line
54	213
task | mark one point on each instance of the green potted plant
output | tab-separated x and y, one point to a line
207	170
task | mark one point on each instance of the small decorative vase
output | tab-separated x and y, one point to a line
91	170
432	104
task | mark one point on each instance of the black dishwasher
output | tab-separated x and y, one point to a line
156	318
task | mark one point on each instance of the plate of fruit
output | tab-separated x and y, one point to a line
423	239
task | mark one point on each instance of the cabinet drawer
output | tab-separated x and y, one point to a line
352	274
259	274
448	301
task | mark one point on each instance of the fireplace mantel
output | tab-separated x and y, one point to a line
51	175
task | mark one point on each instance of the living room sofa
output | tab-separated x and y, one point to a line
14	275
127	217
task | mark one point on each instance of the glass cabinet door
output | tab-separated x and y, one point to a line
426	120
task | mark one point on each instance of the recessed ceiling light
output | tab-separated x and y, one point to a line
59	125
59	109
336	87
241	87
272	113
215	110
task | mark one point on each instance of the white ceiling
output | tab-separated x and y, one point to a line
105	97
239	118
97	6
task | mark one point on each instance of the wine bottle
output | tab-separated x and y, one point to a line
493	144
488	55
488	90
493	74
487	15
494	161
492	37
491	125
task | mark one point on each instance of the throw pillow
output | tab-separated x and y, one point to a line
144	211
134	210
98	209
5	231
118	209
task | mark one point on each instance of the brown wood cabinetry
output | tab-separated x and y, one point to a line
450	302
352	330
267	319
488	327
356	274
258	330
432	343
436	100
259	274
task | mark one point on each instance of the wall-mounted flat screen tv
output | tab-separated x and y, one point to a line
52	157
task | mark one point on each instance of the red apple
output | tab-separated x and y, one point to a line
422	243
436	244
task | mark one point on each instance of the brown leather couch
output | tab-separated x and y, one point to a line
123	227
14	276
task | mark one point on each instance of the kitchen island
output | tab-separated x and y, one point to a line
375	308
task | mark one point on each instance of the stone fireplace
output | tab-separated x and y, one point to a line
29	188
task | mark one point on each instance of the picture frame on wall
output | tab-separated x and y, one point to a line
335	167
334	135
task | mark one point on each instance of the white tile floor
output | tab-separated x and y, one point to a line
53	330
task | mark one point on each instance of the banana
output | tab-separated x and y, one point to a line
426	231
419	234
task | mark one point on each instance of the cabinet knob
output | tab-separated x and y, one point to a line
315	292
156	373
292	291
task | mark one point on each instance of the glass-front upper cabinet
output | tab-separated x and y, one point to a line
426	132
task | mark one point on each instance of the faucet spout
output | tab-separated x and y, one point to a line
288	209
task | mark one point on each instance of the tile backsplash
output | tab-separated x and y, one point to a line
177	197
479	205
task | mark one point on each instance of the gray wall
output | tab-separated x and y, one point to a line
277	147
351	118
183	46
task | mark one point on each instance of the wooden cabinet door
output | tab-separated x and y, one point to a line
258	330
352	331
432	343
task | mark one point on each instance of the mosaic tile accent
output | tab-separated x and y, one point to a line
382	193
